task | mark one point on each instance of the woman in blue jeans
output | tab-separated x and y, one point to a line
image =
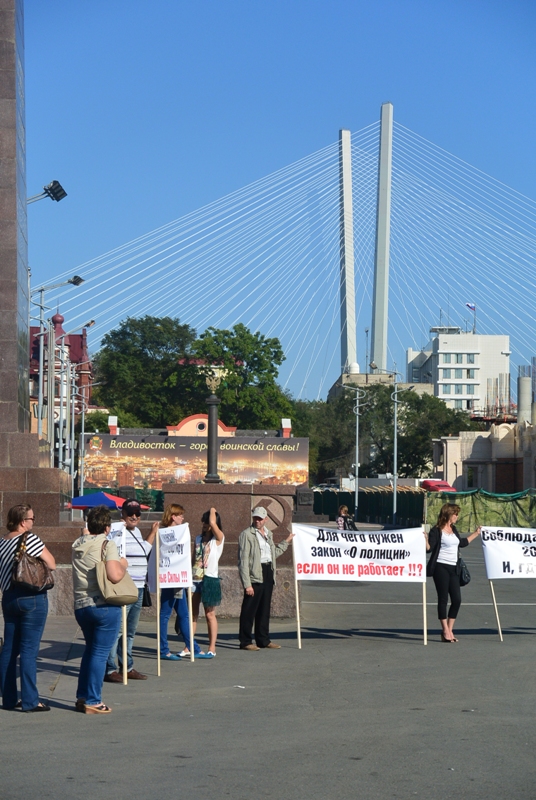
98	621
25	615
174	515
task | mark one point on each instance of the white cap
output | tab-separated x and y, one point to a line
259	512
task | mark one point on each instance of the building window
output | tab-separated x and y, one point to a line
470	388
459	358
446	388
469	405
458	404
470	477
458	373
470	358
446	358
416	375
446	373
458	389
471	374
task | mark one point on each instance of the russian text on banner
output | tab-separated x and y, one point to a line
175	558
328	554
509	552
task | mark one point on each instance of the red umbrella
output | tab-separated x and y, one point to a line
120	500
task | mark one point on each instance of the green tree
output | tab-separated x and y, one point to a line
250	396
331	431
138	366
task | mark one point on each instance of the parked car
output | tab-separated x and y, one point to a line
437	486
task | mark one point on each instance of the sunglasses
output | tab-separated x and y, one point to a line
133	513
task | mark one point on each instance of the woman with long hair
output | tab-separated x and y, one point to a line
171	598
207	551
444	544
25	614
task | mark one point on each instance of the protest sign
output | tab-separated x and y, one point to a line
509	552
117	535
330	554
174	556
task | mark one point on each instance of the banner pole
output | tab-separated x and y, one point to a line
191	621
124	643
424	615
297	596
496	610
158	602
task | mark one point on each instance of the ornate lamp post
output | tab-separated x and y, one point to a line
213	381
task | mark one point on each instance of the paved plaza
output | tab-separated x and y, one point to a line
363	710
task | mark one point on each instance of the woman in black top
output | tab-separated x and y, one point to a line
444	543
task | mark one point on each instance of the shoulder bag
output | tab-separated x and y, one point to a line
463	572
123	593
146	601
30	572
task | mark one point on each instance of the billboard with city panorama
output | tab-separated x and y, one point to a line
125	460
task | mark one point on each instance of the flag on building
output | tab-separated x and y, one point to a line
471	306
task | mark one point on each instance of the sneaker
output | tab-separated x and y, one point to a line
273	646
249	647
206	655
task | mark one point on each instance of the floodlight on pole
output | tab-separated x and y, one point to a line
54	190
76	280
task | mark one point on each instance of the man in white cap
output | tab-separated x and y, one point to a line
256	566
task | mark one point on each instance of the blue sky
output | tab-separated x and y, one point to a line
146	111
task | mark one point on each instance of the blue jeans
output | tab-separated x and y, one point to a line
116	652
100	626
24	622
168	602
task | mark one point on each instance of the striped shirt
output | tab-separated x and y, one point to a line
8	548
132	546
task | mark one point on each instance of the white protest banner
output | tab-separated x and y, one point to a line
509	552
333	555
117	535
175	558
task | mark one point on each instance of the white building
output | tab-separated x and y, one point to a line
469	371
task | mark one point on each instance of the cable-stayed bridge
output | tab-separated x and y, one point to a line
268	255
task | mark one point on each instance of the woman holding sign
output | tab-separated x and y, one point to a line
174	515
444	544
207	552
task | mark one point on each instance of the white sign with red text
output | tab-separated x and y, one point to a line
329	554
509	552
175	558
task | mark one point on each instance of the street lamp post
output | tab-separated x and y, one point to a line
396	401
76	280
360	394
64	379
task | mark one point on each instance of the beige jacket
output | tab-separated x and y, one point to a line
249	555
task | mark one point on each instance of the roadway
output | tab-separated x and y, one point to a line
363	710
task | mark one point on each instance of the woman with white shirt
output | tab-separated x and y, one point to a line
207	551
444	542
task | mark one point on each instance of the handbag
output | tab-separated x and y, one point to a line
30	572
463	572
147	599
123	593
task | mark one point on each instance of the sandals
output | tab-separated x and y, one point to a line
449	641
100	709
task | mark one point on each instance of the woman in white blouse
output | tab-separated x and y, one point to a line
444	543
